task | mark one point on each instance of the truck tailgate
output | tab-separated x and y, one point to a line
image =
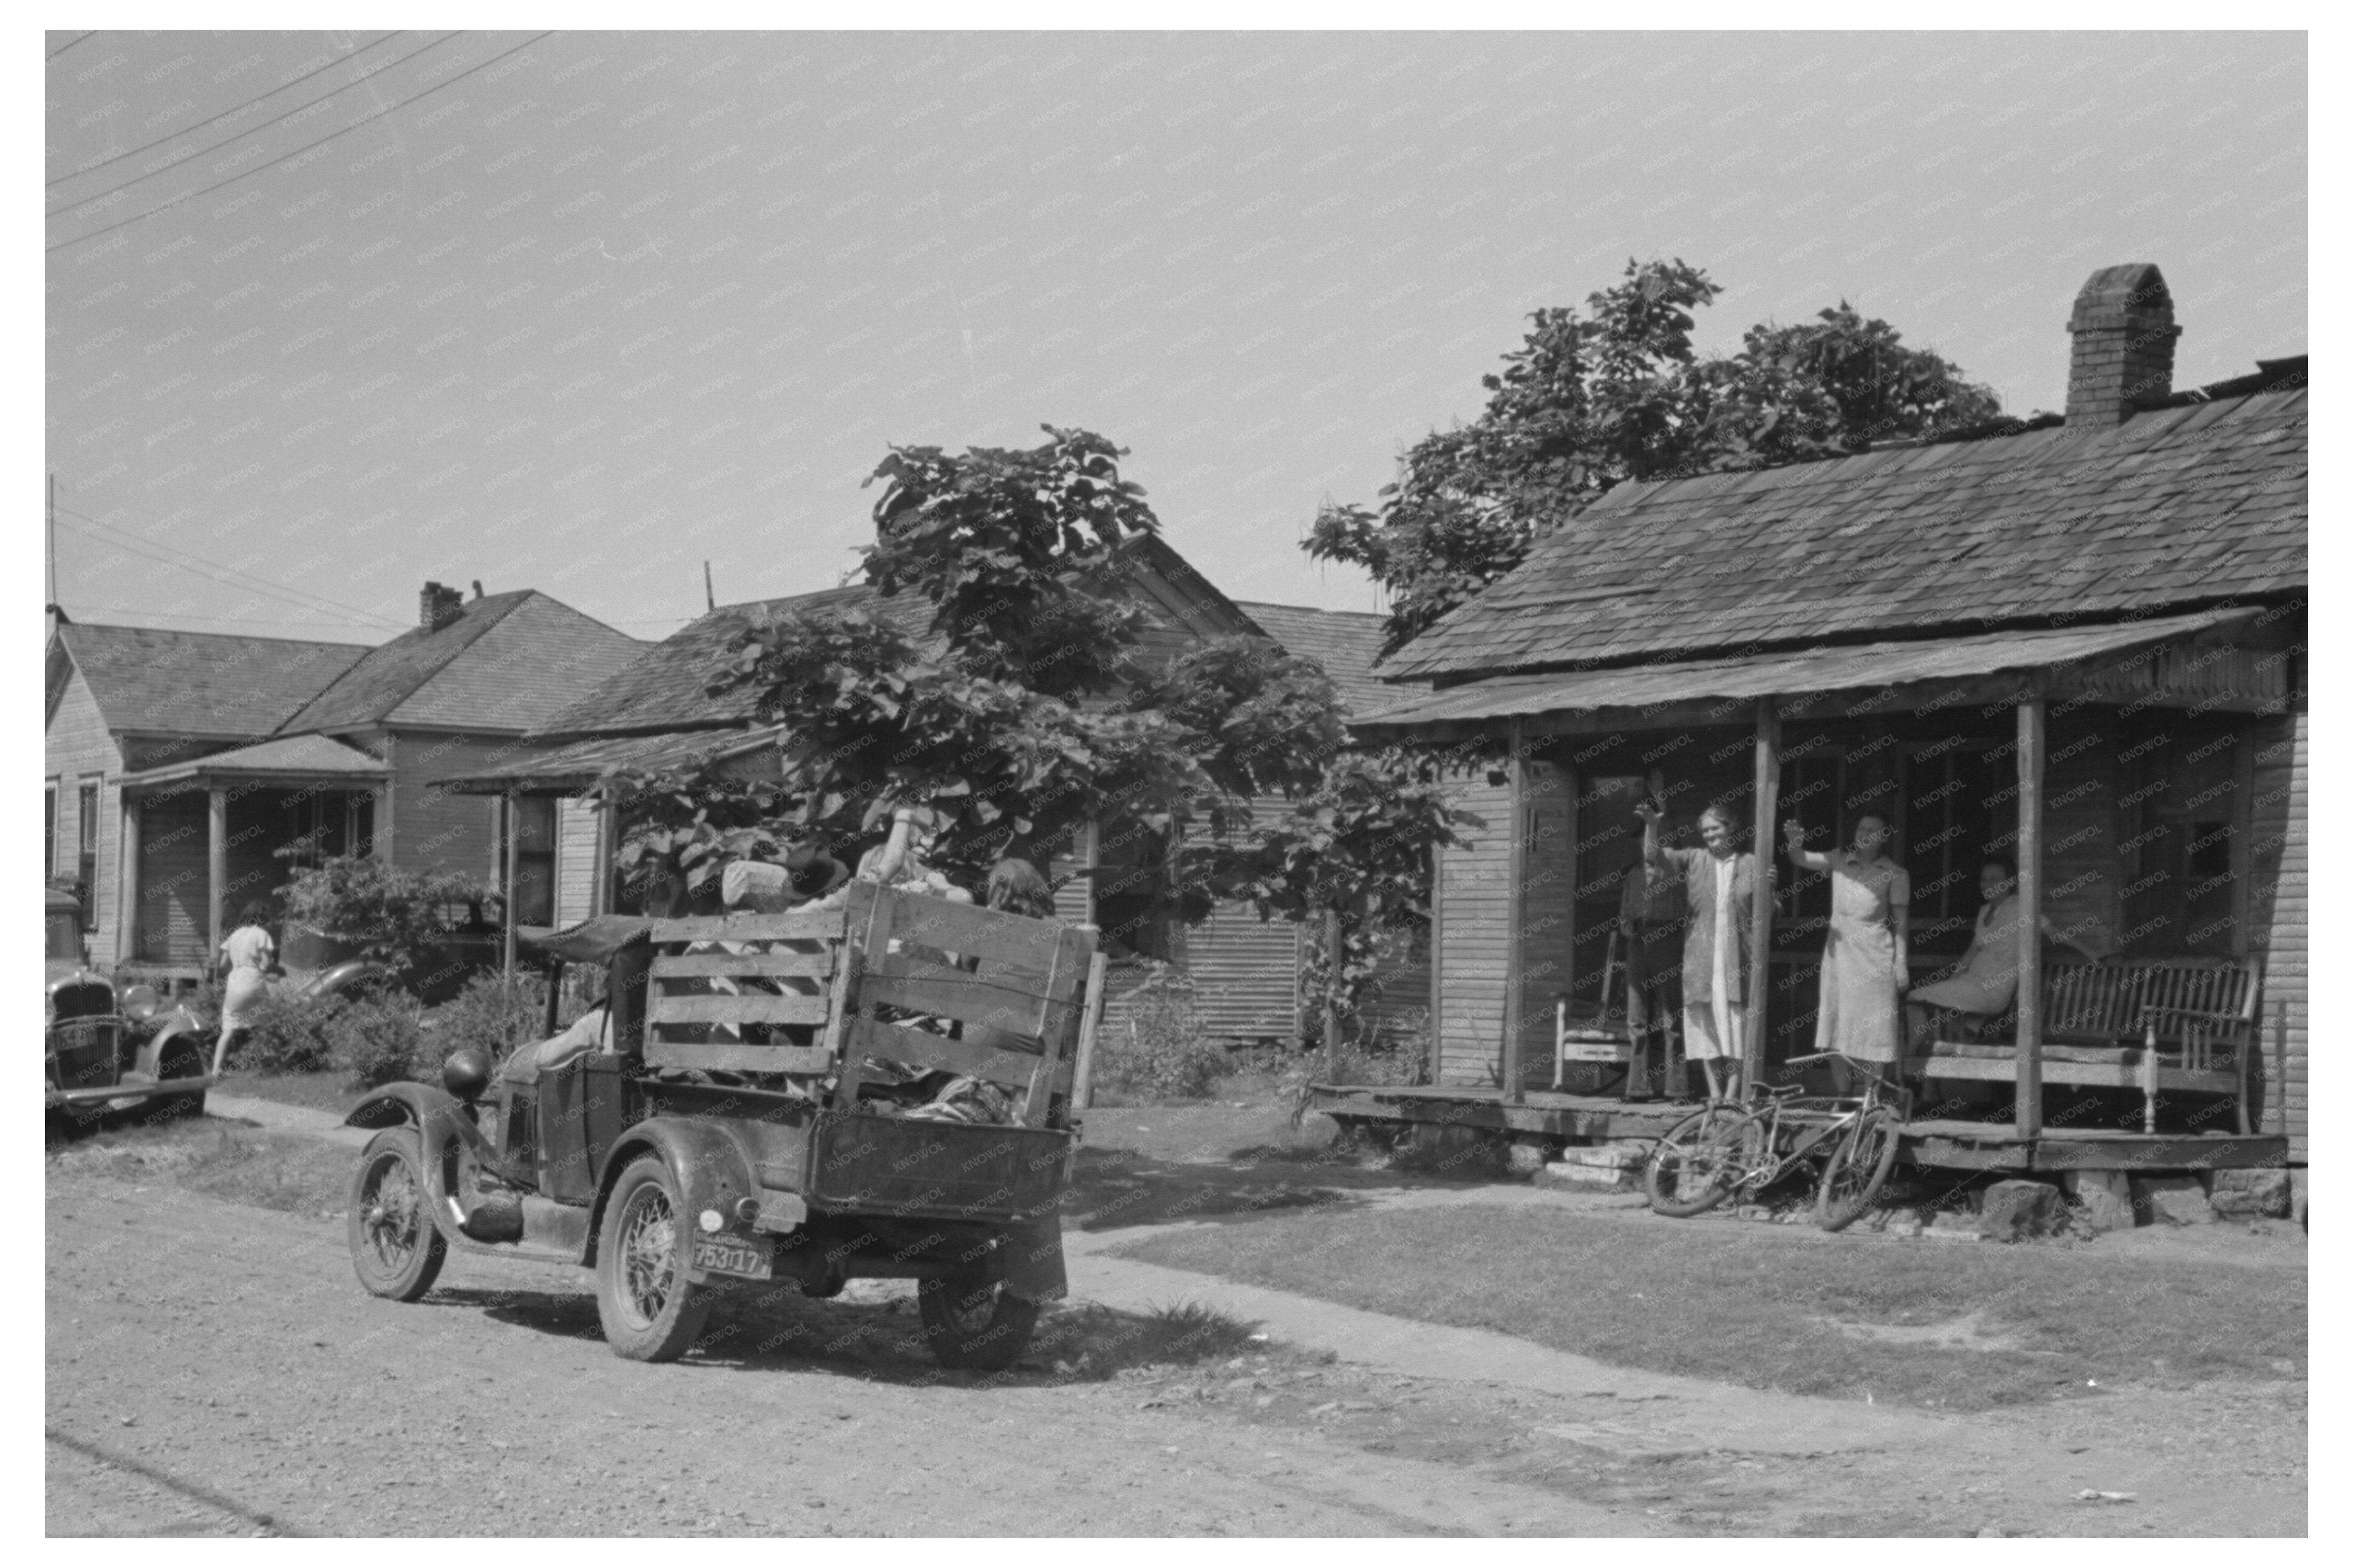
935	1170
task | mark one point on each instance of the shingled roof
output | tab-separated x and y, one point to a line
2173	509
1345	643
508	662
200	682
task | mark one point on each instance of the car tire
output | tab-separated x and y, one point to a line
973	1323
396	1249
183	1059
650	1310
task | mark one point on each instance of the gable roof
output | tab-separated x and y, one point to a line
294	756
2176	508
1345	641
507	661
662	690
200	682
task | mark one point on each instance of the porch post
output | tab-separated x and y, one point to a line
600	897
1515	917
216	866
126	883
1333	954
514	864
2029	1050
1437	962
1760	913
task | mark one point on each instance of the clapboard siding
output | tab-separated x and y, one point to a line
1474	892
575	861
2281	904
1547	910
76	749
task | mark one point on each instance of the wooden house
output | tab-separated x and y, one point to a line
180	763
2077	642
654	713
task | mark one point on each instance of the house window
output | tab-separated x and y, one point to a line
2179	817
1950	796
50	829
87	866
533	823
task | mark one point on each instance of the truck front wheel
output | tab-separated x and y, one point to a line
973	1323
649	1310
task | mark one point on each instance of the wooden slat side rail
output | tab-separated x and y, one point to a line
1059	1033
866	936
747	1007
1037	983
729	1056
921	1048
972	932
801	924
968	998
816	963
1082	1072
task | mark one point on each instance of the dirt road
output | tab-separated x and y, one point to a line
213	1369
223	1357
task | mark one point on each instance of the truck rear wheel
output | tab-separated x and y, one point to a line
650	1311
973	1323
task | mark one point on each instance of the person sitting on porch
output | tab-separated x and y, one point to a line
1984	982
1865	953
1720	890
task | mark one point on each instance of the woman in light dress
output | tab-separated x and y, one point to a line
1720	891
1864	954
248	954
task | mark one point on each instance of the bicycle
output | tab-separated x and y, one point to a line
1724	1148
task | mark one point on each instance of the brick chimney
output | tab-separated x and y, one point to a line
2123	357
438	607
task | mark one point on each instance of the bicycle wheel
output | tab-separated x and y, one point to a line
1858	1168
1696	1164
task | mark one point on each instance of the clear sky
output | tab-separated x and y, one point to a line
580	314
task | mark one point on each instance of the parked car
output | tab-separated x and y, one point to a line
107	1053
881	1090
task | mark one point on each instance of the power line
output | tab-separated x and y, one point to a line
127	537
63	47
297	152
83	607
228	114
162	555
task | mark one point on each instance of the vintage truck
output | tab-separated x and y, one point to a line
793	1097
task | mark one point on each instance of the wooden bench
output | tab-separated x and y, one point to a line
2151	1025
811	994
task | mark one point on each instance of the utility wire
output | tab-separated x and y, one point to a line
164	555
230	114
142	542
175	201
63	47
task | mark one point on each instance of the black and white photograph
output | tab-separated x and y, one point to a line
1016	775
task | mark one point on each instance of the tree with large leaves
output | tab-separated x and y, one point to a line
1589	402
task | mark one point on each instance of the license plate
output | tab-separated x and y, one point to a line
745	1257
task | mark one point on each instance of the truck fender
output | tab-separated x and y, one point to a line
712	1164
1030	1258
440	1121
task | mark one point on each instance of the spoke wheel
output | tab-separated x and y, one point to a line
395	1250
652	1312
1690	1172
1858	1168
973	1323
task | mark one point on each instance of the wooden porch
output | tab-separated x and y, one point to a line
1942	1143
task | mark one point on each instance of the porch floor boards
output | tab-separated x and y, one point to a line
1940	1143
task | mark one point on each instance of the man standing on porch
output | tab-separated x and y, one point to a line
1720	888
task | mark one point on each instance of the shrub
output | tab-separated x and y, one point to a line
1161	1053
377	1040
284	1034
493	1014
395	914
1398	1054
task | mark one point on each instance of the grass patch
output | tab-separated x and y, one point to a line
1748	1305
328	1091
287	1171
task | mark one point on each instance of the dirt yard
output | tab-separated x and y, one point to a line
1263	1339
